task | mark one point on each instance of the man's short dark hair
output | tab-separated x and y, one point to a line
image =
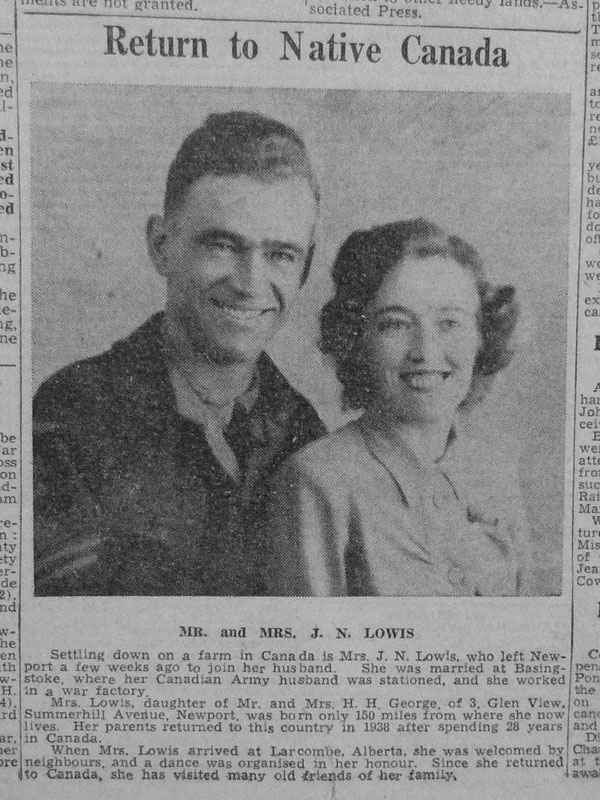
237	143
362	263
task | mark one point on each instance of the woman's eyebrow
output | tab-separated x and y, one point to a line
398	309
392	309
460	309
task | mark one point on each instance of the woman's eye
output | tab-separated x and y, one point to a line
386	325
449	324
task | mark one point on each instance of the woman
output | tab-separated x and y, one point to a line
402	501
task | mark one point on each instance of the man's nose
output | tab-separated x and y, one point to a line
251	271
424	346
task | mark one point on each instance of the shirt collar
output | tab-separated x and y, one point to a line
195	396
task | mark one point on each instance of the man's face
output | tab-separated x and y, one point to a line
233	255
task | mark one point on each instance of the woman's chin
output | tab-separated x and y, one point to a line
425	411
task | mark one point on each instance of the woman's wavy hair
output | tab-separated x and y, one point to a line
362	263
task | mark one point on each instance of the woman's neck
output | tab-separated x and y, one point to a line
427	440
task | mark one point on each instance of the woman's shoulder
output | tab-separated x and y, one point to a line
337	452
485	449
483	465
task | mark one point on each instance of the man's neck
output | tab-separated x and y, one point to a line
215	383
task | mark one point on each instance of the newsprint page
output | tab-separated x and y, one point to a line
299	399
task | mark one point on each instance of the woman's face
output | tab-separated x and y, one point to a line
422	338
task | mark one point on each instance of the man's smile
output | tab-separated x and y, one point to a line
241	313
234	255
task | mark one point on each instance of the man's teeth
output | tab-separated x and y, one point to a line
421	380
241	314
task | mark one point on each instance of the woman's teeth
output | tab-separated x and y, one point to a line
424	380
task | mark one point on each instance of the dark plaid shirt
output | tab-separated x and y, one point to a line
129	497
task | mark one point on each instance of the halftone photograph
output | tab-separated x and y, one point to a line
298	342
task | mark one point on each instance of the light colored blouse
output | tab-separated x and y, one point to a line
354	514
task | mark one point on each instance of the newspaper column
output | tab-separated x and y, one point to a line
10	344
585	675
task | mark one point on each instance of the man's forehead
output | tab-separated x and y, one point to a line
284	207
232	189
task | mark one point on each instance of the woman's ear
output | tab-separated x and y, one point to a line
503	295
503	309
500	315
156	237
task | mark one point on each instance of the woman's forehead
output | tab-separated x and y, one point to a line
428	282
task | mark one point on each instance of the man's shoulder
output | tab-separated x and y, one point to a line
286	406
100	383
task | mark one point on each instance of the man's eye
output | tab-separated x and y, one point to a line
220	246
284	256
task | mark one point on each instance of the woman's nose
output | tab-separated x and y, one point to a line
424	346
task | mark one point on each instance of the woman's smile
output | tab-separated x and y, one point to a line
424	380
422	339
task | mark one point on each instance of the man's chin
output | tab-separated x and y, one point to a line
227	354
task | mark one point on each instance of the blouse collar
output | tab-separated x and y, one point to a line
411	473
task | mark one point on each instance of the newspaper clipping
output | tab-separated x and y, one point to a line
300	381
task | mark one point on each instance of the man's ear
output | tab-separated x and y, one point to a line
156	237
307	263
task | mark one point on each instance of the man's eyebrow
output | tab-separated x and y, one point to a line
208	234
276	244
224	233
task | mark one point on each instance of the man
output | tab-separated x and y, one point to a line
151	459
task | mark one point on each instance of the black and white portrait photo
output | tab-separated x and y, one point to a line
298	342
